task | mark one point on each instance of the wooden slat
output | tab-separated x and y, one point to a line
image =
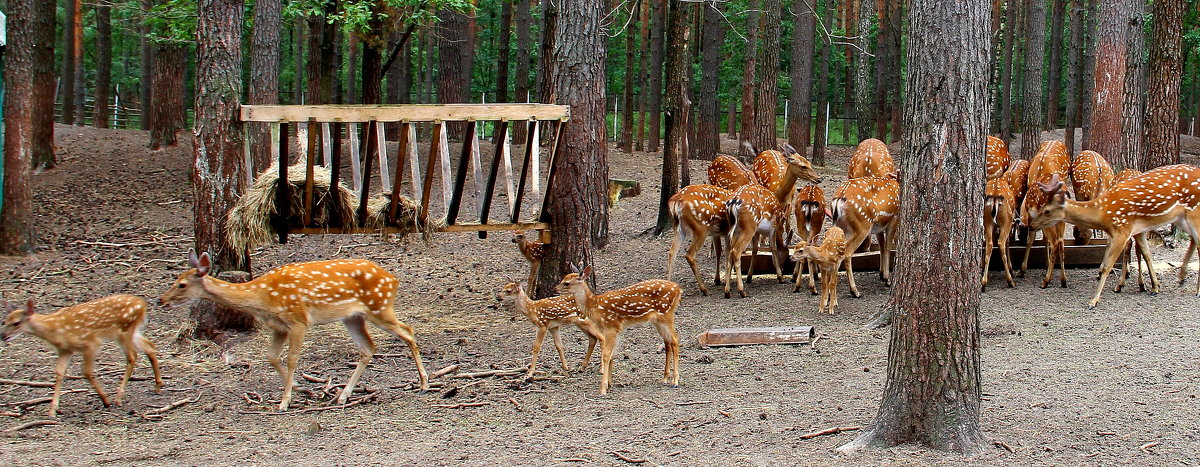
367	142
444	156
508	171
401	159
414	160
460	178
283	191
552	170
326	145
275	139
485	205
435	143
530	145
385	178
536	160
477	167
408	229
335	166
410	112
355	157
308	172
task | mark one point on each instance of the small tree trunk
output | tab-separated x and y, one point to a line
264	77
1134	91
68	69
1055	76
643	75
523	18
1031	112
298	61
657	20
821	89
1006	68
100	113
352	92
502	51
1162	99
146	83
167	114
77	62
862	71
675	112
1088	90
749	106
627	111
1074	60
766	92
320	66
708	140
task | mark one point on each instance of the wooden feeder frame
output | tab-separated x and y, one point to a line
325	123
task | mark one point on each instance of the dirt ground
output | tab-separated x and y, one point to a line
1063	384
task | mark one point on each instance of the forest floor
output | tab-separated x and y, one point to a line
1063	384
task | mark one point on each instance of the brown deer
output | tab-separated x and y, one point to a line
999	208
997	157
533	251
1091	174
753	212
294	297
82	329
698	211
1130	252
809	208
829	256
653	301
1051	159
729	173
1166	195
865	206
548	315
871	159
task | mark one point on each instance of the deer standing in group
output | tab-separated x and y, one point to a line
829	256
729	173
1051	160
871	159
810	218
999	208
82	329
533	251
1166	195
653	301
1091	174
294	297
997	157
698	212
548	315
862	207
1130	252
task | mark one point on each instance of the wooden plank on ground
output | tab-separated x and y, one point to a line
410	112
751	336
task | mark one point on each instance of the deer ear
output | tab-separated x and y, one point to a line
193	261
574	269
587	272
788	149
203	264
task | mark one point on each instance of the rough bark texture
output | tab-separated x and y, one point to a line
578	206
657	20
100	113
799	130
1162	97
749	80
932	394
167	115
1108	89
888	72
218	172
708	132
1087	92
524	20
502	51
643	75
627	104
69	64
352	93
1134	93
674	111
1054	65
766	92
80	85
1032	116
320	66
147	81
1006	68
1074	62
264	77
28	60
863	85
821	88
298	60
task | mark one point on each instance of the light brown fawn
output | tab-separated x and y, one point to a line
533	251
729	172
654	301
1091	174
871	159
829	256
548	315
1050	160
999	208
810	218
294	297
82	329
1130	251
865	206
698	211
1162	196
997	157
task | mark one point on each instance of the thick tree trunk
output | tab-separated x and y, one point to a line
69	65
264	77
766	92
1054	80
1006	67
708	140
219	171
320	66
524	21
627	110
889	87
502	51
167	115
1132	107
146	83
799	125
932	394
749	80
821	129
77	50
1031	112
100	113
578	206
863	86
1111	58
657	24
1162	97
1074	62
674	111
28	61
1088	91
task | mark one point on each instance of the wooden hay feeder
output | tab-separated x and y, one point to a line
364	126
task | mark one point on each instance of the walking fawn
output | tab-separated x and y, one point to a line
533	251
829	256
294	297
654	301
698	211
81	329
548	314
1050	160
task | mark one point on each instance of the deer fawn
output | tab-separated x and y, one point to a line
865	206
829	256
1162	196
810	218
81	329
654	301
1051	159
1129	251
291	298
1090	175
699	212
533	251
729	173
548	314
997	157
999	206
871	159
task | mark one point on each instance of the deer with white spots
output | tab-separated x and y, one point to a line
533	251
829	256
871	159
997	157
653	301
294	297
82	329
1051	160
548	315
810	218
1162	196
729	173
1091	174
862	207
1129	252
698	211
999	210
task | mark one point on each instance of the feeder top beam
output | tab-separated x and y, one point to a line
403	113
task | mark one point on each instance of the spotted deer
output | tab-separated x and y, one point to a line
698	212
82	329
1166	195
1091	174
294	297
871	159
999	208
1051	159
829	256
862	207
1016	176
548	315
1129	252
809	209
997	157
533	251
729	172
653	301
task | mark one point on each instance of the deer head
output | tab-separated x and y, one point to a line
1055	208
17	322
518	237
190	283
575	281
800	166
509	292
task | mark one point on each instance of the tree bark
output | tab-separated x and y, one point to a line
1111	58
766	92
862	71
657	20
146	82
932	394
1031	111
167	115
627	111
219	170
264	77
502	49
1162	97
1054	79
28	61
523	18
578	206
821	128
1074	63
1006	67
352	91
455	49
675	112
77	50
1088	90
749	80
1132	110
799	125
69	65
100	113
708	140
320	66
298	39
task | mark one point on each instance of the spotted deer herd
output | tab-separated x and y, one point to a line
743	206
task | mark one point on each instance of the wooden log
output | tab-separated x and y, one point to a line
414	161
355	157
326	145
368	147
751	336
397	113
283	190
385	179
485	206
508	172
444	157
460	179
536	160
335	168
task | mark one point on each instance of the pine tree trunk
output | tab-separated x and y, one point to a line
524	22
888	71
502	51
352	91
298	39
708	140
219	171
627	111
657	20
800	121
147	80
28	61
997	64
862	71
320	65
849	25
1132	108
675	111
1054	80
77	62
1108	92
68	68
1007	64
578	206
167	117
749	80
932	394
264	77
1162	97
731	120
643	75
1031	112
100	113
821	128
1074	63
1088	91
766	92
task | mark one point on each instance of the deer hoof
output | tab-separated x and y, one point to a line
855	294
727	294
704	291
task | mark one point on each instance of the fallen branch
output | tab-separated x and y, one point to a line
829	431
313	379
312	409
461	405
158	413
25	404
36	384
444	371
631	460
1002	444
11	414
516	404
33	424
693	403
1146	447
490	373
573	459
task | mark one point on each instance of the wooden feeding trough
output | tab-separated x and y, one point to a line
1077	256
363	124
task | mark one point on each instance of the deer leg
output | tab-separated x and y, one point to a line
675	240
143	344
275	349
798	274
1110	257
780	250
295	337
1187	256
1003	243
60	370
1061	250
830	281
534	266
127	348
987	248
89	372
670	338
562	356
717	256
1144	250
356	326
593	336
884	257
851	247
607	346
537	348
754	241
814	271
386	319
690	256
1029	234
736	246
